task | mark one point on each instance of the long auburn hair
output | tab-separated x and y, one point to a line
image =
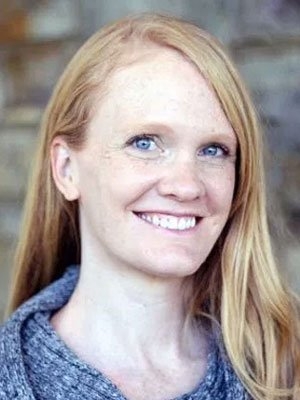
239	281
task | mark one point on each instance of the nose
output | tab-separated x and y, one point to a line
182	181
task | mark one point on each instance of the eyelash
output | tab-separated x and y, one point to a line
224	149
143	136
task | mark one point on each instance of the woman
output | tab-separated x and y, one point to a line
149	176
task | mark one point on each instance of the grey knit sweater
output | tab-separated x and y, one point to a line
36	365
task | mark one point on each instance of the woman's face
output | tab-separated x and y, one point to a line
156	177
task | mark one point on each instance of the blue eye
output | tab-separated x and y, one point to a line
143	142
214	150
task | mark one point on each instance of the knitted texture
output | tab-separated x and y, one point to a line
36	365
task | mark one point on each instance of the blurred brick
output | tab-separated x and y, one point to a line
216	16
54	19
6	257
16	154
39	20
31	72
266	69
10	217
22	115
280	110
291	182
264	19
14	26
2	93
274	80
292	262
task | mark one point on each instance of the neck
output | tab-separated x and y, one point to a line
137	315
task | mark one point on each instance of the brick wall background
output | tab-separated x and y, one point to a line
38	37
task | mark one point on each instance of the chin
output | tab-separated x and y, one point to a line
173	267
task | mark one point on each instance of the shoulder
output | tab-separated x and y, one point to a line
4	376
12	379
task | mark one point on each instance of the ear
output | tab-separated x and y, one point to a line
64	169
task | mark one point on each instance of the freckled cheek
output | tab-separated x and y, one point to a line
119	182
131	171
220	192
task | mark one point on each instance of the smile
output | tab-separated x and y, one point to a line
169	221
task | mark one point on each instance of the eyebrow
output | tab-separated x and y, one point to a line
152	127
230	137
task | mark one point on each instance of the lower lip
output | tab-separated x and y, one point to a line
171	231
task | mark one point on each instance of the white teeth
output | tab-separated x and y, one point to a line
156	220
188	223
163	223
193	222
182	224
170	222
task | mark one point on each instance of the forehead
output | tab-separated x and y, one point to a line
160	85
